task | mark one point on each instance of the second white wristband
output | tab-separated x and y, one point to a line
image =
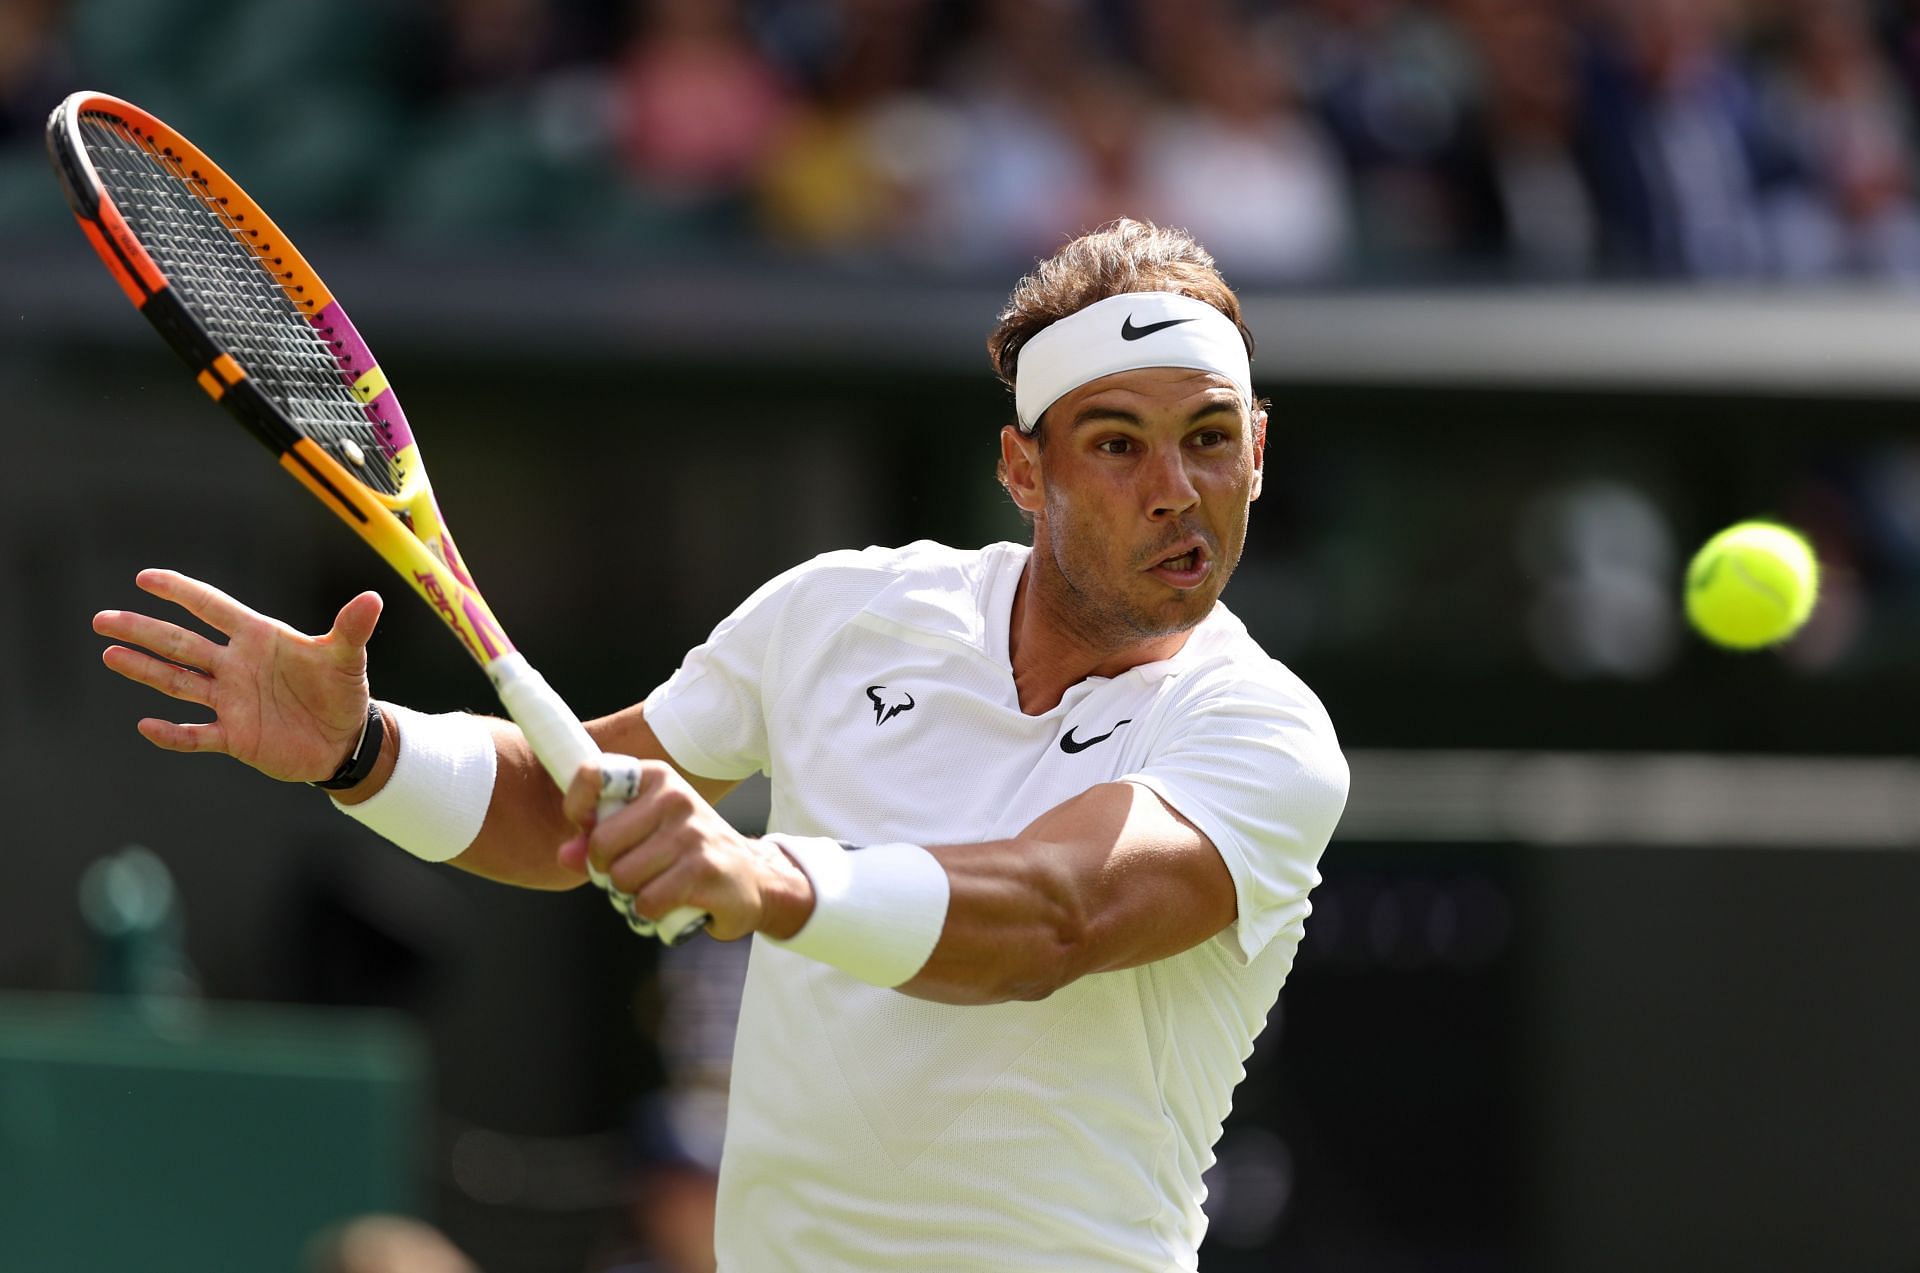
878	911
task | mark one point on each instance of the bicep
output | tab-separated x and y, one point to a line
1112	878
1152	883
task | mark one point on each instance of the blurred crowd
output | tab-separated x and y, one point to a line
1302	140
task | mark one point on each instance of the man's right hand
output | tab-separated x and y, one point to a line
290	705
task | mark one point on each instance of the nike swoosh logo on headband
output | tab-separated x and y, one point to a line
1129	332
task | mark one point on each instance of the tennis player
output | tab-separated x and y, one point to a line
1045	817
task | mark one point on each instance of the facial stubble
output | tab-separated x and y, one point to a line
1108	620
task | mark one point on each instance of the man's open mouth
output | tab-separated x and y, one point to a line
1184	568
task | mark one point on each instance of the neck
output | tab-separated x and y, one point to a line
1051	654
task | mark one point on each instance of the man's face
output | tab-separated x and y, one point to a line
1139	499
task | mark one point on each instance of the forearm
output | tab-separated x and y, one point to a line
1111	879
1016	925
525	825
1021	917
524	820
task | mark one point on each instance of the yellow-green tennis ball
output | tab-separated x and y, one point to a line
1752	585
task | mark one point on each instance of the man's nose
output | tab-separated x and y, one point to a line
1172	491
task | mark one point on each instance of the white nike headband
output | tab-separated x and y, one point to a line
1125	333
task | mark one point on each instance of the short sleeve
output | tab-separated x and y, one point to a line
1263	778
710	715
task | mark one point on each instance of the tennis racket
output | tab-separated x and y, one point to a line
267	341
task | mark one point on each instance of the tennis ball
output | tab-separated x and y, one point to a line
1752	585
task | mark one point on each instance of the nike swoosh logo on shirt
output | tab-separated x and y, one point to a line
1129	332
1069	744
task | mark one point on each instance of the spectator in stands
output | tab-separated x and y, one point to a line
1021	182
1233	158
1304	139
1836	106
1689	181
1106	108
850	171
699	105
1392	82
1527	206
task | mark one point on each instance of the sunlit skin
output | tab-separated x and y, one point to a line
1138	466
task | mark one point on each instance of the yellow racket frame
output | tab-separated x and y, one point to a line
406	528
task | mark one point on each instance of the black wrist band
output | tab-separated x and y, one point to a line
355	768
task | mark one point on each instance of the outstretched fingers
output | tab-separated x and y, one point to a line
173	736
183	683
169	641
202	600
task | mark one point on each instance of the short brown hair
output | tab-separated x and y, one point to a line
1121	256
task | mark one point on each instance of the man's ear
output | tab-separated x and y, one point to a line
1020	469
1259	453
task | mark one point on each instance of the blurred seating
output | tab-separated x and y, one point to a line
1835	102
1303	140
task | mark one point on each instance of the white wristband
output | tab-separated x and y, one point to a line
877	911
442	782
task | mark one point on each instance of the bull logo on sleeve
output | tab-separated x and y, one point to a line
887	703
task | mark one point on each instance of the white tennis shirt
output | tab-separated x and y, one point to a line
871	1130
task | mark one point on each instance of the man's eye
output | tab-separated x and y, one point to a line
1116	446
1211	437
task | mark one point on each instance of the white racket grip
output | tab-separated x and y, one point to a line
556	735
562	745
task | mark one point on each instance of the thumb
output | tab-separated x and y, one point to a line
353	626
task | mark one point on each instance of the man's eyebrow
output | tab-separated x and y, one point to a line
1120	415
1111	415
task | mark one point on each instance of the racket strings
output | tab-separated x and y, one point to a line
197	243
